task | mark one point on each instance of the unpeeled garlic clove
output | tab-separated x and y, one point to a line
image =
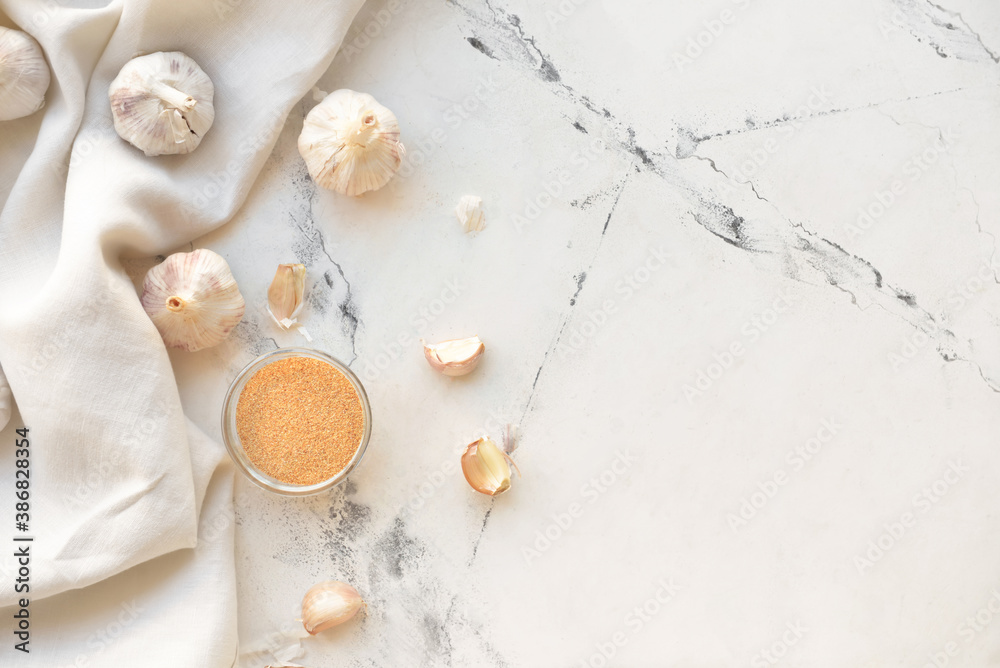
328	604
487	467
350	143
24	75
470	213
455	358
285	296
162	103
193	299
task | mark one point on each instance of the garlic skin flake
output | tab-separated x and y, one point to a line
350	143
470	213
455	358
193	299
487	467
328	604
24	75
285	296
162	103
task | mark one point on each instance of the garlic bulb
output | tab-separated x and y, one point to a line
24	75
455	358
6	400
162	103
350	143
284	297
470	213
487	467
328	604
193	299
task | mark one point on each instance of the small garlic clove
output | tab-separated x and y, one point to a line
470	213
162	103
455	358
486	467
285	296
350	143
193	299
328	604
24	75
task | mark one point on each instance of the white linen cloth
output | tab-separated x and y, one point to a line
131	506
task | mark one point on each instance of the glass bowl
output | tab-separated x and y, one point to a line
232	440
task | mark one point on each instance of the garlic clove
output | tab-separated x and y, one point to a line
24	75
328	604
470	213
193	299
350	143
162	103
285	296
455	358
487	467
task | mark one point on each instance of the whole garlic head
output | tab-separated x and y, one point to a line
193	299
24	75
162	103
350	143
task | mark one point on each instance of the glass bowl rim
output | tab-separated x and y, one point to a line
235	448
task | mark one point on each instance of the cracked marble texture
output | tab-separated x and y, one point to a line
739	291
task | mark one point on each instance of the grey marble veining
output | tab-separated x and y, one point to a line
739	293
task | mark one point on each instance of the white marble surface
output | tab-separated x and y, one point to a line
614	172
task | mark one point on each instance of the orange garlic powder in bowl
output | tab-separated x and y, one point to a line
301	421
